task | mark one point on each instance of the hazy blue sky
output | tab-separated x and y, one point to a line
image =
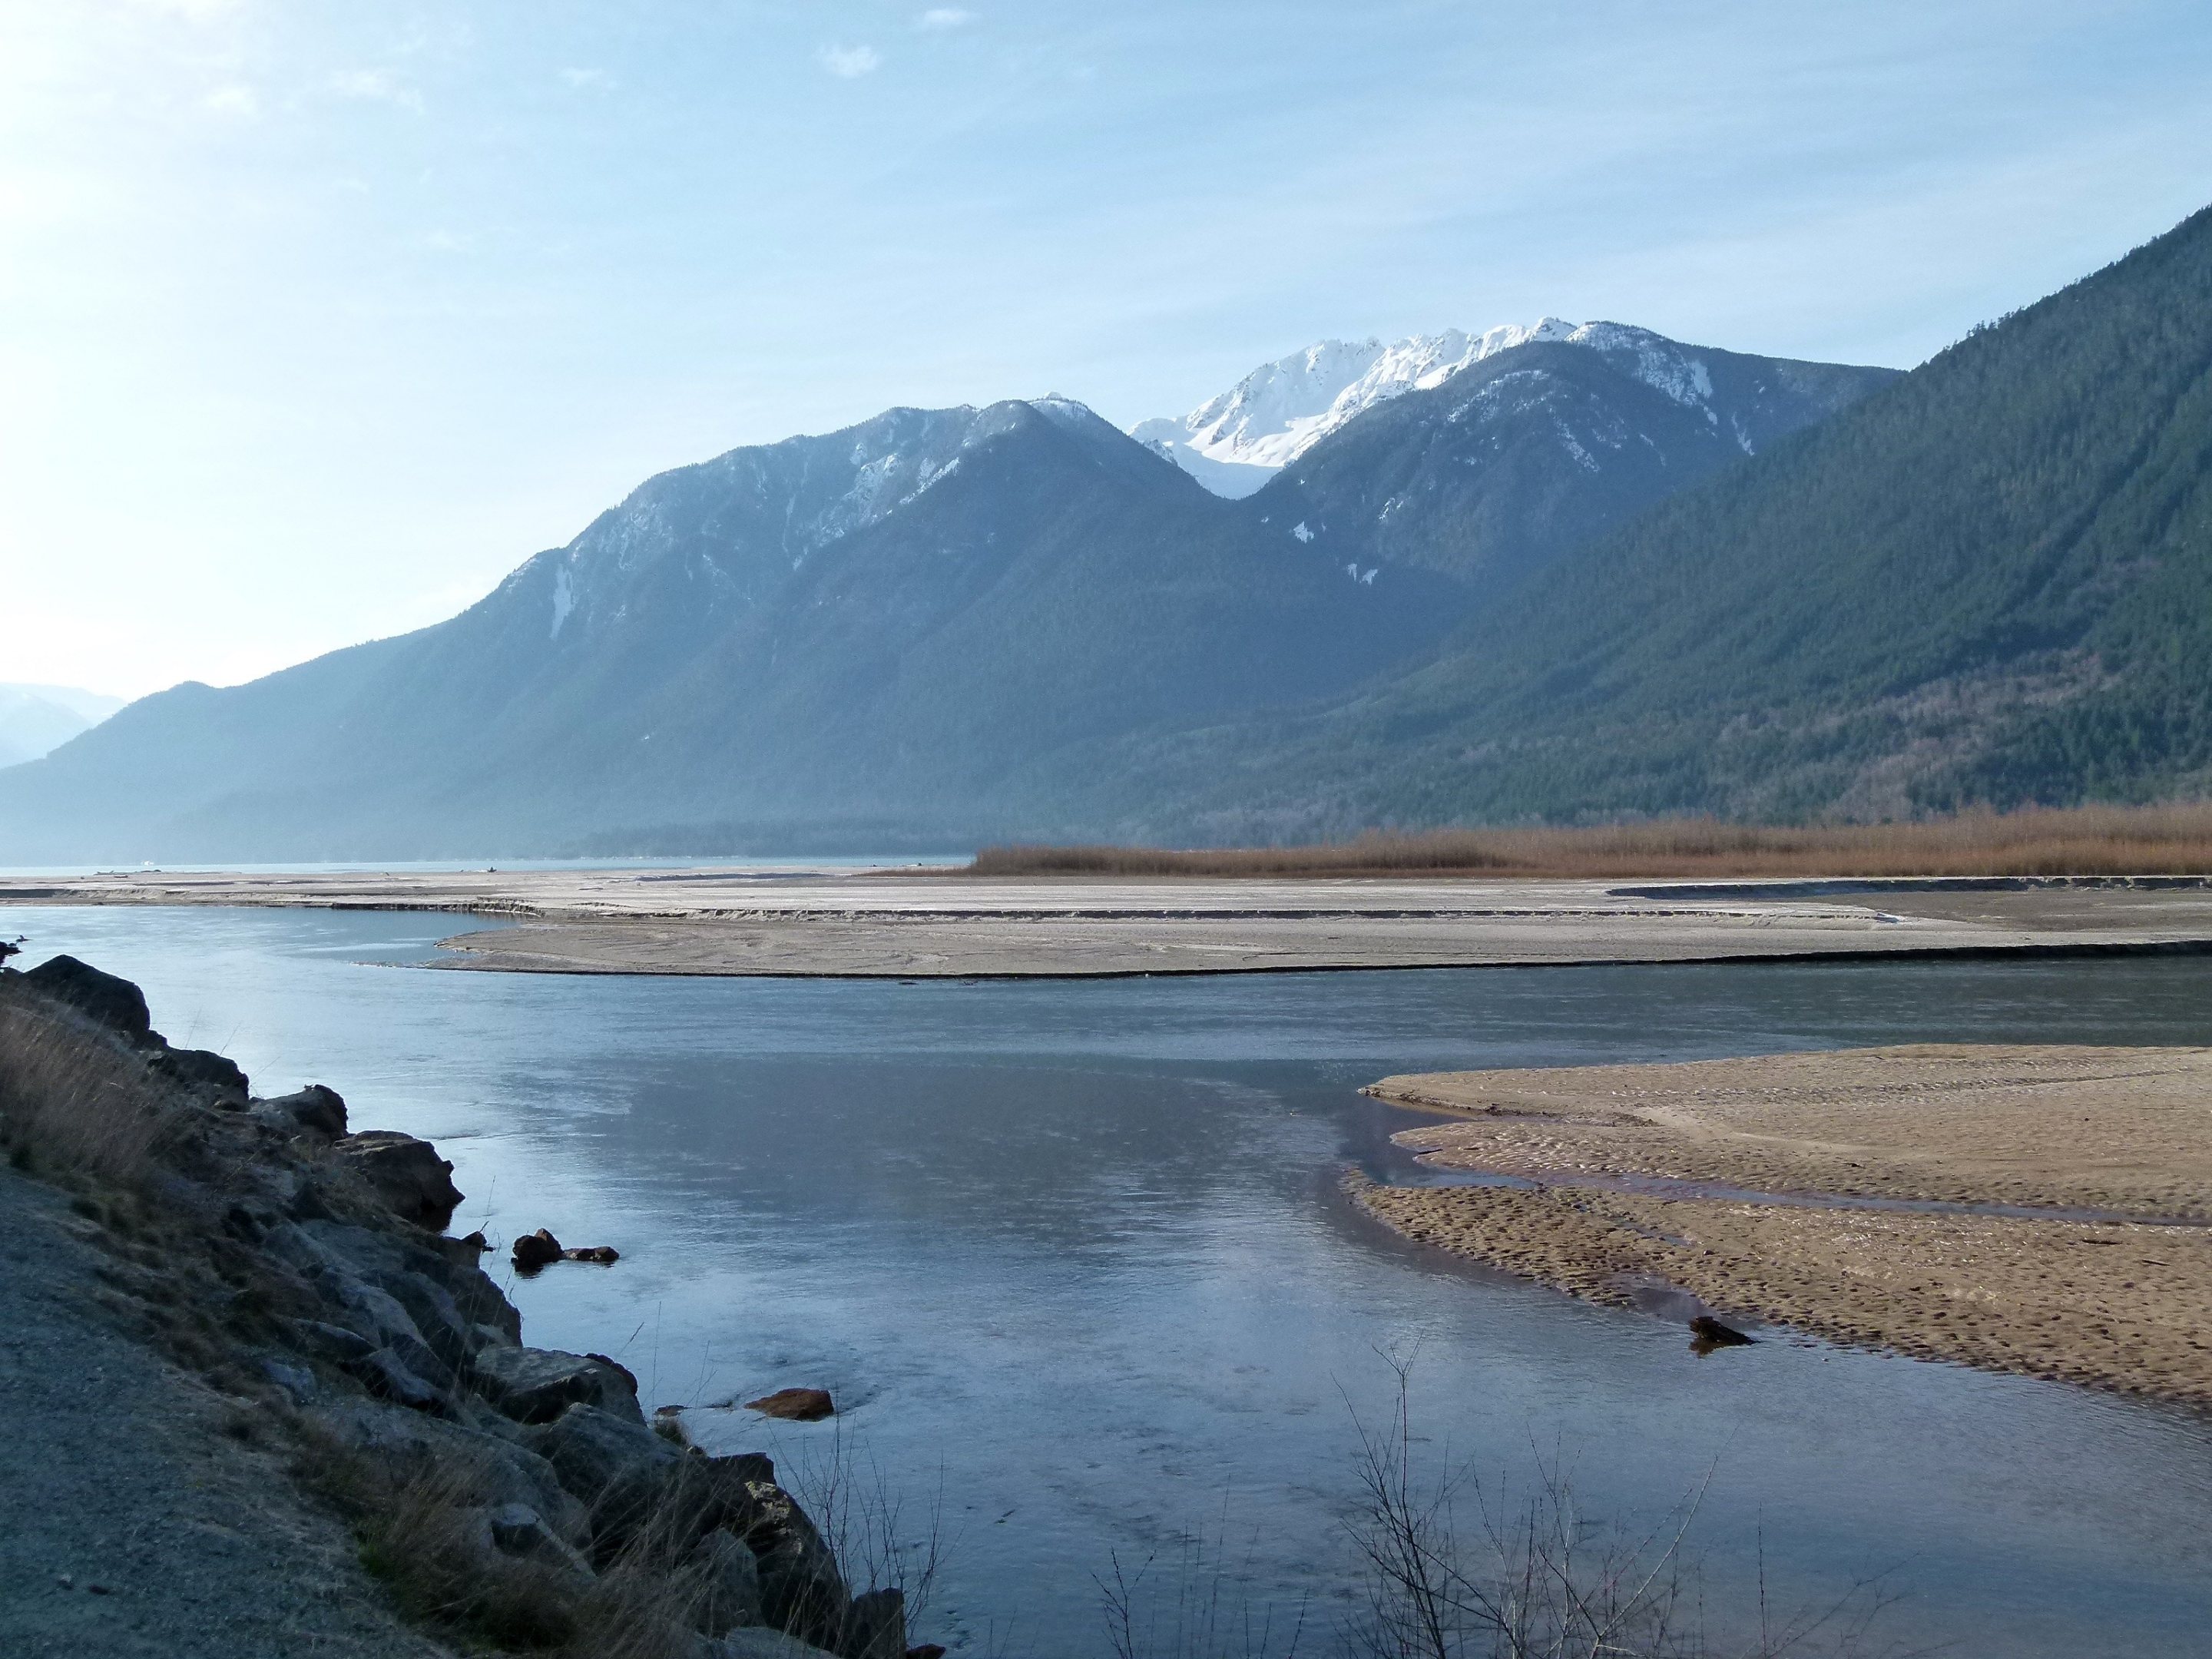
317	316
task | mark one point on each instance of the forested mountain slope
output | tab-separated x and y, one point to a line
1518	457
1990	581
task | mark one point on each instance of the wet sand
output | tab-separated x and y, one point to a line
813	921
2123	1302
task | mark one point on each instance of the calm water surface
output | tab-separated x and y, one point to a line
1071	1258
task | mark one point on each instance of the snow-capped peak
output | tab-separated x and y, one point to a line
1237	442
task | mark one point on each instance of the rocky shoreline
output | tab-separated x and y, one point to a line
508	1496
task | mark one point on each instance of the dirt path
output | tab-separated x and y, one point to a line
133	1521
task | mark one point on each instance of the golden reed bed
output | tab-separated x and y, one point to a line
2082	841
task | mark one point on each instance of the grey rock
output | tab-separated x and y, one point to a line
536	1385
377	1313
112	1002
407	1174
450	1334
621	1470
875	1626
731	1586
801	1589
517	1529
760	1642
207	1073
385	1374
595	1451
315	1110
490	1471
297	1381
331	1342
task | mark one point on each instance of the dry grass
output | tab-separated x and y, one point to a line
2083	840
419	1521
75	1102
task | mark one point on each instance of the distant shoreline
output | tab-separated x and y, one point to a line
872	924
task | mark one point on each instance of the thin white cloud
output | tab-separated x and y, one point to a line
850	62
375	86
240	102
946	18
193	11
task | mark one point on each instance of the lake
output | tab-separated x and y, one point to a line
1072	1257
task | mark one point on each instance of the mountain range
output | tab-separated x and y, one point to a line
1561	571
1989	583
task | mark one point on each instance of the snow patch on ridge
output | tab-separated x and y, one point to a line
564	600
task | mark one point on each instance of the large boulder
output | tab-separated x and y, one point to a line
313	1110
115	1003
407	1174
730	1587
387	1375
536	1385
205	1072
758	1642
875	1626
518	1530
801	1589
623	1472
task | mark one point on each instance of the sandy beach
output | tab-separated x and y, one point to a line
1783	1189
870	923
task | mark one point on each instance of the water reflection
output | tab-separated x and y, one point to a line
1075	1250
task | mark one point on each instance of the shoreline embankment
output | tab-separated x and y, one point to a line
293	1277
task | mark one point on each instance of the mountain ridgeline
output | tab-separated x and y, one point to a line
1991	583
895	635
1565	573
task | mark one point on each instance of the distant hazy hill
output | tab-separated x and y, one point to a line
897	635
845	640
37	718
1991	580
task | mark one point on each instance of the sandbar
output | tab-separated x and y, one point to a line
804	920
2039	1210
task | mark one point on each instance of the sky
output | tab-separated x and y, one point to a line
318	317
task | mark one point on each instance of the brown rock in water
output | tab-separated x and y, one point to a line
798	1405
1707	1334
535	1250
605	1255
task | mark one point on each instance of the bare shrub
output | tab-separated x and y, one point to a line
1454	1572
877	1543
2084	841
75	1101
1190	1601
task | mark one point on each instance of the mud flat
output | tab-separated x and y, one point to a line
2041	1210
811	922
